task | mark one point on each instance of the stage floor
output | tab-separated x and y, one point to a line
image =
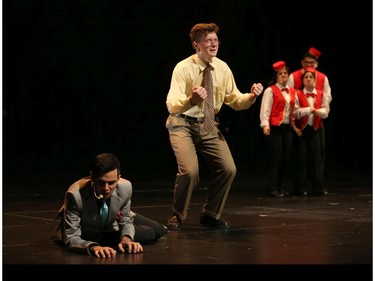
332	230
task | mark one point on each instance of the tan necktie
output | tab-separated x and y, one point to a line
209	113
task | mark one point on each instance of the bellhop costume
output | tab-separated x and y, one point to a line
276	118
310	144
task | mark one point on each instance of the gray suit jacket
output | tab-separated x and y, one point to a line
81	226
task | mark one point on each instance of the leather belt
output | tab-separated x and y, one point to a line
191	119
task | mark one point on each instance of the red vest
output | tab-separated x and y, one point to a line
279	102
317	121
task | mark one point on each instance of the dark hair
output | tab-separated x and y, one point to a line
311	70
273	79
309	55
104	163
202	29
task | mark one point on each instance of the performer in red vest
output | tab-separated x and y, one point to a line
310	59
276	121
311	107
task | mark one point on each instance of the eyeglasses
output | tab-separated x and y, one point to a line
309	62
209	42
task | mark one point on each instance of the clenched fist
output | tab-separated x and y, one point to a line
257	89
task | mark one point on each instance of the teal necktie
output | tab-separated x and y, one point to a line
104	212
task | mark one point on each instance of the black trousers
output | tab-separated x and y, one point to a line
279	144
310	160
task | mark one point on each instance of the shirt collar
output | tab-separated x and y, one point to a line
202	64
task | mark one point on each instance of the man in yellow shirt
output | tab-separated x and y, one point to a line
188	132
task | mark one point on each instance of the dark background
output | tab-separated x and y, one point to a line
85	77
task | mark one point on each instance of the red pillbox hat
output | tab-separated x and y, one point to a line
311	69
278	65
314	52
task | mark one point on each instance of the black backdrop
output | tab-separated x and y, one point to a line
84	77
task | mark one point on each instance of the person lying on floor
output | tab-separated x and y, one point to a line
96	217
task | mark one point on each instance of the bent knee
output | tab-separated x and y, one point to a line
231	170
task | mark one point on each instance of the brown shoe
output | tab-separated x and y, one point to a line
277	194
174	223
209	221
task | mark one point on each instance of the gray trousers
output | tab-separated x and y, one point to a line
188	138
